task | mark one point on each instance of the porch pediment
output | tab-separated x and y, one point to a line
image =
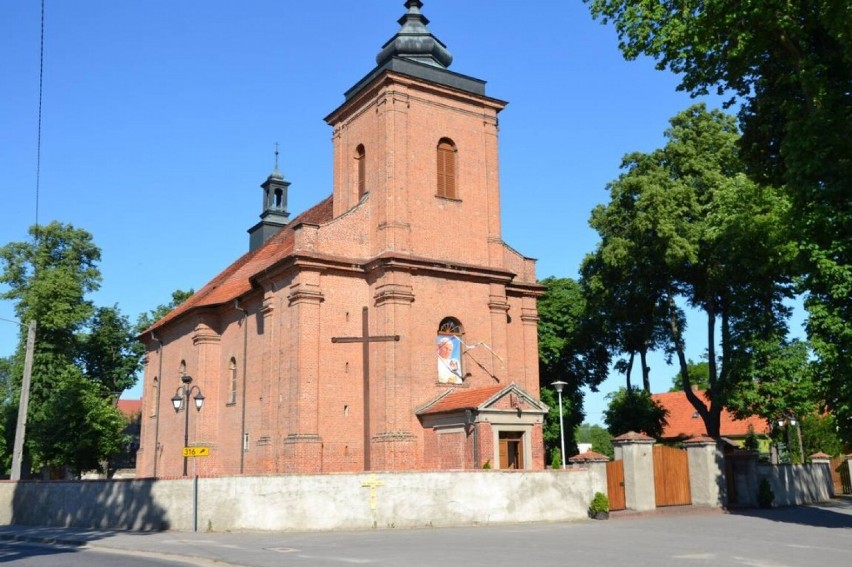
509	398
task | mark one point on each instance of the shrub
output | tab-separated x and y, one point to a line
600	504
556	459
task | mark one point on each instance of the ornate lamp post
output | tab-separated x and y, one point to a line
183	393
559	385
791	421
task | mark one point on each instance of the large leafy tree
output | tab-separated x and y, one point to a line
110	354
626	290
694	230
72	420
790	65
570	352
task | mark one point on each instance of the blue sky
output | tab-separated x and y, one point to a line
159	120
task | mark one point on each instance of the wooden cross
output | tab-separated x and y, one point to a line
365	339
372	484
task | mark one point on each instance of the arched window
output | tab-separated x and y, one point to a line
447	170
361	169
232	372
449	350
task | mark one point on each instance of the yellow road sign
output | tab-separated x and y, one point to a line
196	451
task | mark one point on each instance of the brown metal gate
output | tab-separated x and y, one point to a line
615	485
671	476
840	476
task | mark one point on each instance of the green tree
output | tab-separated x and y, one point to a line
790	64
146	320
634	410
568	352
819	434
72	423
110	354
599	437
781	381
713	242
621	292
699	376
8	417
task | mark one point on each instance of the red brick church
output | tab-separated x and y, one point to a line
360	335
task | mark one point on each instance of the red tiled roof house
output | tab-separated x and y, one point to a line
684	422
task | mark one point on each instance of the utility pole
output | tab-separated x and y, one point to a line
20	430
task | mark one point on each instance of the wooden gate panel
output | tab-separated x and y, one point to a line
615	485
671	476
840	476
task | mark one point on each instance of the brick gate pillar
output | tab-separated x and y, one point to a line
636	450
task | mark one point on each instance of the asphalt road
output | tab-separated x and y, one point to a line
24	554
788	537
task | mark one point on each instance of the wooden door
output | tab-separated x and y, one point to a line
615	485
671	476
511	450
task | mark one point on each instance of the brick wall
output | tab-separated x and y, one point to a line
412	258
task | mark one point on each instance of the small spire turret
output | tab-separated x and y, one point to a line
274	215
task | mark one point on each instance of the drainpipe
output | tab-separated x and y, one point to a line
245	363
470	419
157	401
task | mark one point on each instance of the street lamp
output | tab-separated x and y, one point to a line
793	422
183	393
559	385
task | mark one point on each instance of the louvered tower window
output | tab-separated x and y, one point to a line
447	157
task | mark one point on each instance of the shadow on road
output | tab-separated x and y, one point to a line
834	514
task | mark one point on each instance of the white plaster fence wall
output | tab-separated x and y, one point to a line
798	484
306	502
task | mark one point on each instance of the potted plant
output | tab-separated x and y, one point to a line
599	508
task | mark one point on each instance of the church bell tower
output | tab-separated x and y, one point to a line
274	215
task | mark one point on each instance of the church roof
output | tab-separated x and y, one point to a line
684	421
235	280
129	408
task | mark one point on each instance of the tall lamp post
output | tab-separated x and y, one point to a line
559	385
183	393
790	420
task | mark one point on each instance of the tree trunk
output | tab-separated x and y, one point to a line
646	370
629	371
703	410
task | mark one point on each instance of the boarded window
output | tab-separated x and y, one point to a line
447	169
361	169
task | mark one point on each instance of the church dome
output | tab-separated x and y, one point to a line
414	41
